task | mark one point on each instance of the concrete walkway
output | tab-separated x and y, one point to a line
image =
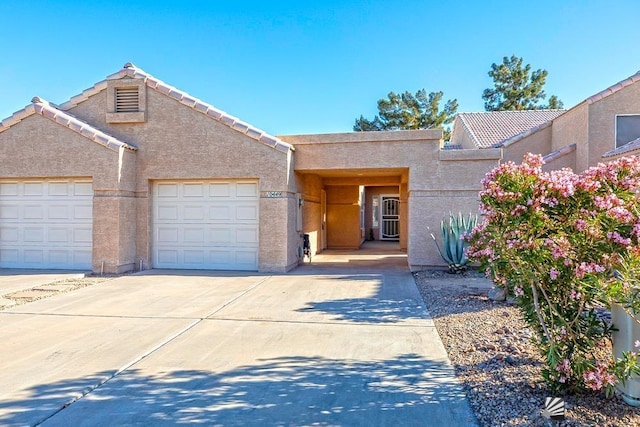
320	346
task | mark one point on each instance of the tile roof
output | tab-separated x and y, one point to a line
554	155
491	128
51	112
614	88
451	147
626	148
184	98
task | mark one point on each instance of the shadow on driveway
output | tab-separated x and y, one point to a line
281	391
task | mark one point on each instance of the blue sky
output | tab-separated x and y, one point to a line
293	67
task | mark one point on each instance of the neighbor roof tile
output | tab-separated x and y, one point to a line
490	128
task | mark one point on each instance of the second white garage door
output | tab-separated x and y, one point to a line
209	225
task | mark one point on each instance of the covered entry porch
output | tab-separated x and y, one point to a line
343	181
342	209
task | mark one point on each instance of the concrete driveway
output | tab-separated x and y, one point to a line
324	345
13	280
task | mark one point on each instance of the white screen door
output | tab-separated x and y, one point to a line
390	217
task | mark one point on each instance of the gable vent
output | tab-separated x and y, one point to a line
127	100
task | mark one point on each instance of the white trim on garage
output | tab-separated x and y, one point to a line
206	225
46	224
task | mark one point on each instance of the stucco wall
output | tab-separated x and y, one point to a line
538	143
602	119
572	127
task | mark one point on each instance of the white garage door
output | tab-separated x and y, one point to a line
46	224
206	225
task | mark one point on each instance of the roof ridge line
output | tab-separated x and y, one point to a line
613	88
515	138
470	132
130	70
560	152
53	113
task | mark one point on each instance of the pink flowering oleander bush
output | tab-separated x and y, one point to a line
565	245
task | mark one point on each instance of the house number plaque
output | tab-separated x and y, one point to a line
273	194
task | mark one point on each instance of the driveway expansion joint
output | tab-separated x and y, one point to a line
146	354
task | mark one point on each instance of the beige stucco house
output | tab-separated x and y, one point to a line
136	174
601	128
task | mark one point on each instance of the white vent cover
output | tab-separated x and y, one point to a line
127	100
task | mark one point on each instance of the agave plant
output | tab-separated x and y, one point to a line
453	250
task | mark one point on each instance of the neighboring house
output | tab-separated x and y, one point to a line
135	174
602	127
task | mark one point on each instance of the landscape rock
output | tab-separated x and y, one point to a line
497	293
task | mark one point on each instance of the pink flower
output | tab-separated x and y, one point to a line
617	238
636	344
553	274
588	267
598	377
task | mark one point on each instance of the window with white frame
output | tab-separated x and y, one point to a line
627	128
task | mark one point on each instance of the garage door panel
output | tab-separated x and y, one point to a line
9	211
247	189
220	213
167	256
34	235
167	190
247	235
194	257
83	189
34	257
9	189
59	235
33	189
194	235
46	224
83	212
194	213
58	189
9	234
167	235
167	213
34	212
246	213
209	223
222	189
82	257
58	212
82	235
220	235
8	257
193	190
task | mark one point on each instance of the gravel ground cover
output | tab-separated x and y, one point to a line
490	347
49	289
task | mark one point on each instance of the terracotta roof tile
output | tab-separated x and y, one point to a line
489	129
626	148
184	98
51	112
554	155
614	88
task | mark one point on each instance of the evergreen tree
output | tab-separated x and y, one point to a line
516	87
410	111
